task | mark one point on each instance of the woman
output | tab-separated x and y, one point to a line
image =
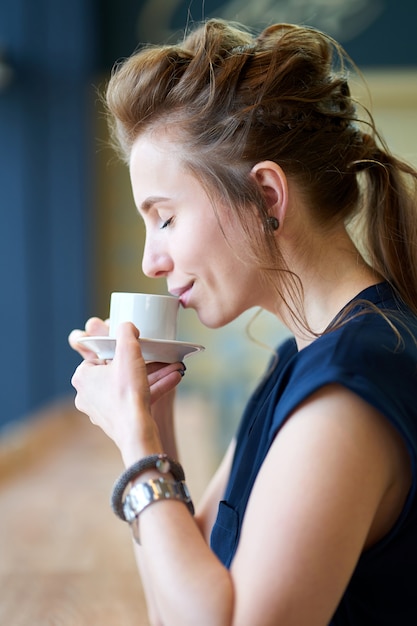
250	149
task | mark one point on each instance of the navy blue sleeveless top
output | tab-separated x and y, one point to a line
366	356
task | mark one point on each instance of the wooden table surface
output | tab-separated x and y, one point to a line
65	559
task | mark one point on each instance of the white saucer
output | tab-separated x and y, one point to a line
152	349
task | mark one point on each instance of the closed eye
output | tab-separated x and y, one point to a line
166	223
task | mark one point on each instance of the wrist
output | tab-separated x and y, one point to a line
135	452
152	479
139	443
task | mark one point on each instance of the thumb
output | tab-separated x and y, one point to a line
126	333
128	360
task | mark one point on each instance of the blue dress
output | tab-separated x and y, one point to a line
366	356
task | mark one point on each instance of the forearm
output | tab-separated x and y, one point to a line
151	604
163	414
185	583
207	510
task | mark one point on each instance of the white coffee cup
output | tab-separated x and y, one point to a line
154	315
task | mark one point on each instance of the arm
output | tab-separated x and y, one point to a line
340	475
162	413
205	517
336	459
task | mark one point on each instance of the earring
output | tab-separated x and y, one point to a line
272	223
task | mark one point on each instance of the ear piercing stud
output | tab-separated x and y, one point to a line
272	223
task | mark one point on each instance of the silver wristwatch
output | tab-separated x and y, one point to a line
143	494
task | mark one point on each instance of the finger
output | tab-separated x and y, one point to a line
128	358
127	340
77	377
73	338
130	364
94	327
97	327
84	378
166	384
157	371
83	351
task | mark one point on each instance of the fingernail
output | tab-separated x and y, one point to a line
182	372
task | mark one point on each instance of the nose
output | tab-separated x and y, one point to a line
156	262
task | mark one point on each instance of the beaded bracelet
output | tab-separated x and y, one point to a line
161	462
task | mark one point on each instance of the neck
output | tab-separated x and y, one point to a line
331	272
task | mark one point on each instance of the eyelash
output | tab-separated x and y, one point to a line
166	223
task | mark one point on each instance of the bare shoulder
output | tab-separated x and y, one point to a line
333	483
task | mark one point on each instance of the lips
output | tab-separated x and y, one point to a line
182	293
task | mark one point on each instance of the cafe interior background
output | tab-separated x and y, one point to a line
70	235
69	231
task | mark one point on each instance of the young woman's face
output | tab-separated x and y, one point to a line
202	265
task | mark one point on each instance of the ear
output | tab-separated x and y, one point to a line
271	178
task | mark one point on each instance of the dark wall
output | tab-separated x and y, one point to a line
55	50
374	32
46	156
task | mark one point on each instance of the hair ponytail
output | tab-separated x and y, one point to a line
390	212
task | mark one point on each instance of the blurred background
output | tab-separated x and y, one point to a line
69	233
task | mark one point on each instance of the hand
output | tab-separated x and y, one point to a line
157	372
117	395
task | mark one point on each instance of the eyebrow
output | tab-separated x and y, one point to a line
149	202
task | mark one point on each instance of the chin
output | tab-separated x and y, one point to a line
214	321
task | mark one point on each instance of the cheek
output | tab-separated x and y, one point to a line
202	245
195	245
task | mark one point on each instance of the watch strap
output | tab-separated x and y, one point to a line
142	495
